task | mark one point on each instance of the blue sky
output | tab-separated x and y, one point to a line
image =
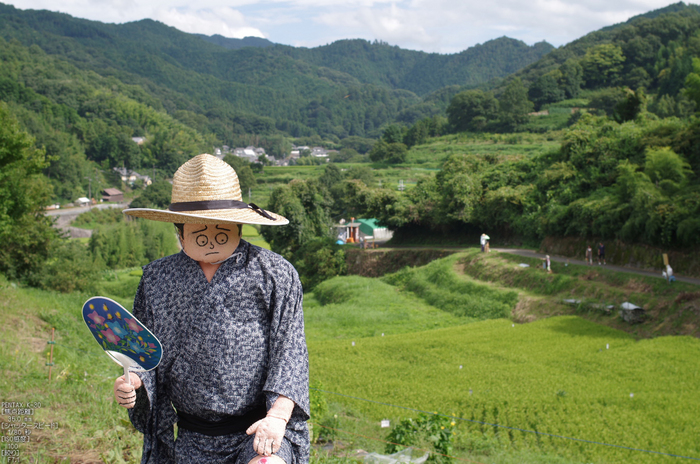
442	26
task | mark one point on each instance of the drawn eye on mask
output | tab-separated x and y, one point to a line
221	238
202	240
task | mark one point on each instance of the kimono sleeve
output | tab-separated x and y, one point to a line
288	372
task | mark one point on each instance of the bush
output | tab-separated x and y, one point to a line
70	268
319	260
434	429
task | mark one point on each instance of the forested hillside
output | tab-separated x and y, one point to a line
303	91
652	52
384	65
623	102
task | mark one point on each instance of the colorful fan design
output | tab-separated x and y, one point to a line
121	335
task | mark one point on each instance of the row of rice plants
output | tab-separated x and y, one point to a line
562	376
439	286
356	307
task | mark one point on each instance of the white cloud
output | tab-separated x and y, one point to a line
222	20
446	26
389	23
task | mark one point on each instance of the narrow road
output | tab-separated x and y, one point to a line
561	259
64	217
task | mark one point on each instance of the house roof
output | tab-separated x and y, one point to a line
112	191
367	226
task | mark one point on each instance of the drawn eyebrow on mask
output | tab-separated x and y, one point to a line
198	231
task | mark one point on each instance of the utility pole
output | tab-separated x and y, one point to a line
89	192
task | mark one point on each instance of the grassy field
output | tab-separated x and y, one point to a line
394	341
562	376
386	176
78	399
432	155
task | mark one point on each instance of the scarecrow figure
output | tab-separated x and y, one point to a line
234	372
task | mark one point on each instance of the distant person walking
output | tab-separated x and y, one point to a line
601	254
547	264
484	240
589	255
668	274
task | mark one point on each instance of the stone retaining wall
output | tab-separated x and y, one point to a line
376	263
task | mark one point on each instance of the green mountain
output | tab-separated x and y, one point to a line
381	64
652	51
302	91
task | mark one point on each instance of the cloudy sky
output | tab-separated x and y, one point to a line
443	26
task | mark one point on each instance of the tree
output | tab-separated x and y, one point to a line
471	110
393	134
633	104
423	129
513	106
664	164
608	100
571	78
246	177
360	144
692	83
319	260
26	235
545	90
602	65
363	173
304	204
389	152
156	195
346	155
331	176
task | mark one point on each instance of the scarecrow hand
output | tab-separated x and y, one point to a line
269	433
124	393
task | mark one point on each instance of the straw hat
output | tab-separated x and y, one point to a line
206	191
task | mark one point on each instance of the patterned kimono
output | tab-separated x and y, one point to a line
229	346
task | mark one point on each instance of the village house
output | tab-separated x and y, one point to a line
112	194
222	152
249	154
130	177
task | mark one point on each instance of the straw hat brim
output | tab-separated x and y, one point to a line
216	216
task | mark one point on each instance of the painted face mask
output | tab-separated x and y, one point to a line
210	244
